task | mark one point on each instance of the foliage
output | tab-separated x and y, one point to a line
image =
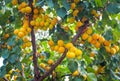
86	32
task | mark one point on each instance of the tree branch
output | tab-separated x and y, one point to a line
80	31
36	71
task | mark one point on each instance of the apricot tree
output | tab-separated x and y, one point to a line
47	40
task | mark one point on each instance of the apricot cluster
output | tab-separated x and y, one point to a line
98	41
60	48
42	21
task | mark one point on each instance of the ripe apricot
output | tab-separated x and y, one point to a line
112	51
101	39
116	47
50	62
35	11
21	34
61	49
16	31
76	1
70	55
14	2
6	36
79	24
42	65
60	43
107	43
92	54
51	43
73	5
78	52
75	12
28	9
85	36
75	73
95	36
69	45
89	31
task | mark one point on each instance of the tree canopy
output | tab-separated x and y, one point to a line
47	40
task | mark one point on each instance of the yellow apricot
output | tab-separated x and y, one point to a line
23	29
85	36
89	31
23	4
9	47
75	12
93	12
76	1
70	55
42	23
61	49
29	30
28	44
75	73
6	36
107	49
89	39
47	68
28	9
112	51
51	43
73	5
71	20
85	76
69	45
14	2
78	52
92	54
50	62
79	24
107	43
16	31
60	43
42	65
101	39
97	45
95	36
32	22
116	48
35	11
73	49
21	34
56	48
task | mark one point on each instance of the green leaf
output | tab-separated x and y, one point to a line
12	58
19	65
2	71
87	59
61	12
78	79
50	3
91	77
99	3
11	41
108	34
5	54
4	17
113	8
65	4
73	66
